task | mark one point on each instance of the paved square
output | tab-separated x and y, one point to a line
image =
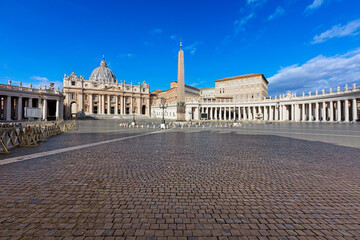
184	185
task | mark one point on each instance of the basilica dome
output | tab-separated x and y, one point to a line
103	74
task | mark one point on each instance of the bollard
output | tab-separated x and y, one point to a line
154	126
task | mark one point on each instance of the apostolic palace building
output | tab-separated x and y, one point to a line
242	97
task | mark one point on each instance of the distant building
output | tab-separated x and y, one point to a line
103	96
207	93
170	96
242	88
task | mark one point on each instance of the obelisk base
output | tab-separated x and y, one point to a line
180	114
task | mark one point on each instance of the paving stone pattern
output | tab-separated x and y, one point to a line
200	185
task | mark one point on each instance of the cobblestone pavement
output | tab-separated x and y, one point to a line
185	185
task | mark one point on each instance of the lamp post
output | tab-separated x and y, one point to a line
163	106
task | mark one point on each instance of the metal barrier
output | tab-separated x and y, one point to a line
12	135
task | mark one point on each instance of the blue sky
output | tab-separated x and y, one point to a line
299	45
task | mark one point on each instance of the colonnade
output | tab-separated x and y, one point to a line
13	107
340	110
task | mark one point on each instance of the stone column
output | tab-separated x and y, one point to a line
57	114
61	110
116	105
310	112
331	111
323	111
244	113
265	113
131	105
30	102
303	118
211	113
91	108
271	113
122	109
354	110
346	110
138	102
108	104
338	109
102	104
317	112
148	106
8	108
20	109
81	102
45	110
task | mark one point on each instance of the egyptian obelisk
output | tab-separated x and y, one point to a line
181	86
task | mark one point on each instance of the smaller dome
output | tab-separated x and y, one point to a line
103	74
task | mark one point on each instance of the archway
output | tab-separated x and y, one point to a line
143	110
73	109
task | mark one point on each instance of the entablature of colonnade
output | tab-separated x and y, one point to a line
290	99
28	92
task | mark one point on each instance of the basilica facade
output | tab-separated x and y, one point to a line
103	95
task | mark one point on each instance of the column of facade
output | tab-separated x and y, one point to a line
346	110
102	104
331	111
338	110
303	117
8	108
45	109
310	112
122	104
116	105
271	113
265	113
243	113
91	108
323	111
81	102
317	112
148	106
248	113
131	105
211	113
354	110
138	102
57	114
40	106
108	104
20	107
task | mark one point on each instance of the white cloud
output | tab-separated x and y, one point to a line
255	3
173	37
352	28
193	84
315	5
155	31
44	81
239	23
278	12
192	48
319	73
38	78
126	55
